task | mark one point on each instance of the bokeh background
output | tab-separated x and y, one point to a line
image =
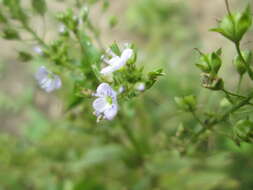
41	148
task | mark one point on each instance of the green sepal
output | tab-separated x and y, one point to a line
233	26
186	103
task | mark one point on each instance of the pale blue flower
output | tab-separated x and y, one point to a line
47	80
105	106
38	50
116	62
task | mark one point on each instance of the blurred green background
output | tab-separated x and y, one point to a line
43	148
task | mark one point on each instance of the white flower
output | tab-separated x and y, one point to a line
47	80
116	62
105	105
140	86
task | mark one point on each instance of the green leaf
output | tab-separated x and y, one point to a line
24	56
39	6
10	34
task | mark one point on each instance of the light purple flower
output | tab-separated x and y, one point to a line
106	105
116	62
47	80
38	50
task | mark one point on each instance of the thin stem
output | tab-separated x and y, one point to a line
96	35
33	33
233	94
239	83
249	70
227	7
197	118
210	124
228	96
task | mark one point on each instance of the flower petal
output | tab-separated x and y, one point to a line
41	73
104	90
57	82
107	70
126	54
114	60
100	105
111	112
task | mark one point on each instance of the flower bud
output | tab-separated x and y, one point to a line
187	103
235	25
84	12
210	82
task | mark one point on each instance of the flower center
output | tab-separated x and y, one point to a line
109	99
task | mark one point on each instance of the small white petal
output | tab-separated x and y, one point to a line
47	85
100	105
114	60
107	70
57	82
127	54
41	73
104	90
111	112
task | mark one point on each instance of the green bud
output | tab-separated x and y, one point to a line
187	103
240	66
106	5
153	77
84	12
211	82
235	25
243	130
210	63
113	21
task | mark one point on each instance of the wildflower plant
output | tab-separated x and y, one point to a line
92	69
234	26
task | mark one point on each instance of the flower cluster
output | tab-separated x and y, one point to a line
47	80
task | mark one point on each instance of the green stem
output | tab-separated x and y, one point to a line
239	83
33	33
197	118
249	70
232	94
210	124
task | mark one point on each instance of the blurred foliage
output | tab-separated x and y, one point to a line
147	148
